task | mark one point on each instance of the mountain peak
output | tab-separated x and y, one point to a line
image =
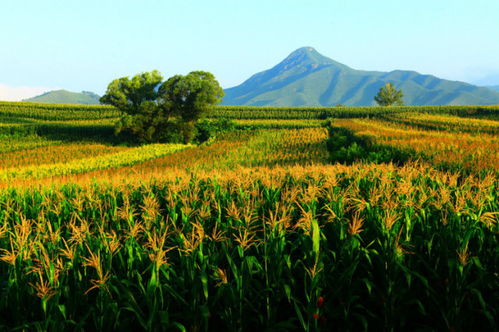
304	50
307	56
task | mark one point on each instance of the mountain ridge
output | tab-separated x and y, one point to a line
66	97
493	87
307	78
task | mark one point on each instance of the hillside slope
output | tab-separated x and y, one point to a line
66	97
493	87
307	78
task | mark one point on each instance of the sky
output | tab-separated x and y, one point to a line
83	45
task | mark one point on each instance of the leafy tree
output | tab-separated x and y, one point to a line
159	111
207	129
388	95
131	95
190	96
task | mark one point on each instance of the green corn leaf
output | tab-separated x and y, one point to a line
204	282
316	237
179	326
62	310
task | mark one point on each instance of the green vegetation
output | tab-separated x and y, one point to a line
253	112
346	147
54	112
311	219
113	160
388	95
26	112
159	111
307	78
66	97
348	251
209	129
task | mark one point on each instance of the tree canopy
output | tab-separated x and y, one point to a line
190	96
128	95
388	95
157	111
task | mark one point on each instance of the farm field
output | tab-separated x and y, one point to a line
298	219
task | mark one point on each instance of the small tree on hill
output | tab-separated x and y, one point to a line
157	111
388	95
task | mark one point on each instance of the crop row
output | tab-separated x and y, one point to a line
462	151
262	112
316	248
254	124
55	153
446	123
95	130
394	141
106	161
25	110
10	143
232	150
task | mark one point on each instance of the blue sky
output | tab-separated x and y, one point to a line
83	45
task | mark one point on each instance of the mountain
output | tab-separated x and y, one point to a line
66	97
307	78
493	87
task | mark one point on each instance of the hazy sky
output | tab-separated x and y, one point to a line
83	45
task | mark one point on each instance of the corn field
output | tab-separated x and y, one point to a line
385	221
56	112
